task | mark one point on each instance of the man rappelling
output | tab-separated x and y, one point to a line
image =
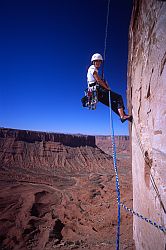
99	90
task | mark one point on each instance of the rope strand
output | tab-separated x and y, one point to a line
106	30
162	228
105	40
112	134
116	172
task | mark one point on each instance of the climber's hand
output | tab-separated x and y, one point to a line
107	86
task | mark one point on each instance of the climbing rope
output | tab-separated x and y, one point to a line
105	40
163	229
112	134
116	172
106	30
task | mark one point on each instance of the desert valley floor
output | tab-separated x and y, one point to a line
57	195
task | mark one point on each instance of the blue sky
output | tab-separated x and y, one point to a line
45	49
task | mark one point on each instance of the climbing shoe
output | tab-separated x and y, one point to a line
126	118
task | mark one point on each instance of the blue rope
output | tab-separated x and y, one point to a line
153	223
162	228
116	173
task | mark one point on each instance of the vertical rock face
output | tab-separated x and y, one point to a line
147	100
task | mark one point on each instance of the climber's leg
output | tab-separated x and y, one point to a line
117	104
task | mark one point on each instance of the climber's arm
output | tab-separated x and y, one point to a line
100	81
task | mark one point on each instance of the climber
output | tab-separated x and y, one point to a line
103	89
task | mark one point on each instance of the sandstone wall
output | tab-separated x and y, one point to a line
147	100
122	145
32	155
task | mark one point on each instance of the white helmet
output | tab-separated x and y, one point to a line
96	56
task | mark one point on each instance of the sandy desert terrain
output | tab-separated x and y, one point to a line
57	196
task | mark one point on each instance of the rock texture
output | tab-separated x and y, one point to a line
34	136
55	194
122	145
147	100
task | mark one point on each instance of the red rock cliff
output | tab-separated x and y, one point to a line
146	99
35	136
22	151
